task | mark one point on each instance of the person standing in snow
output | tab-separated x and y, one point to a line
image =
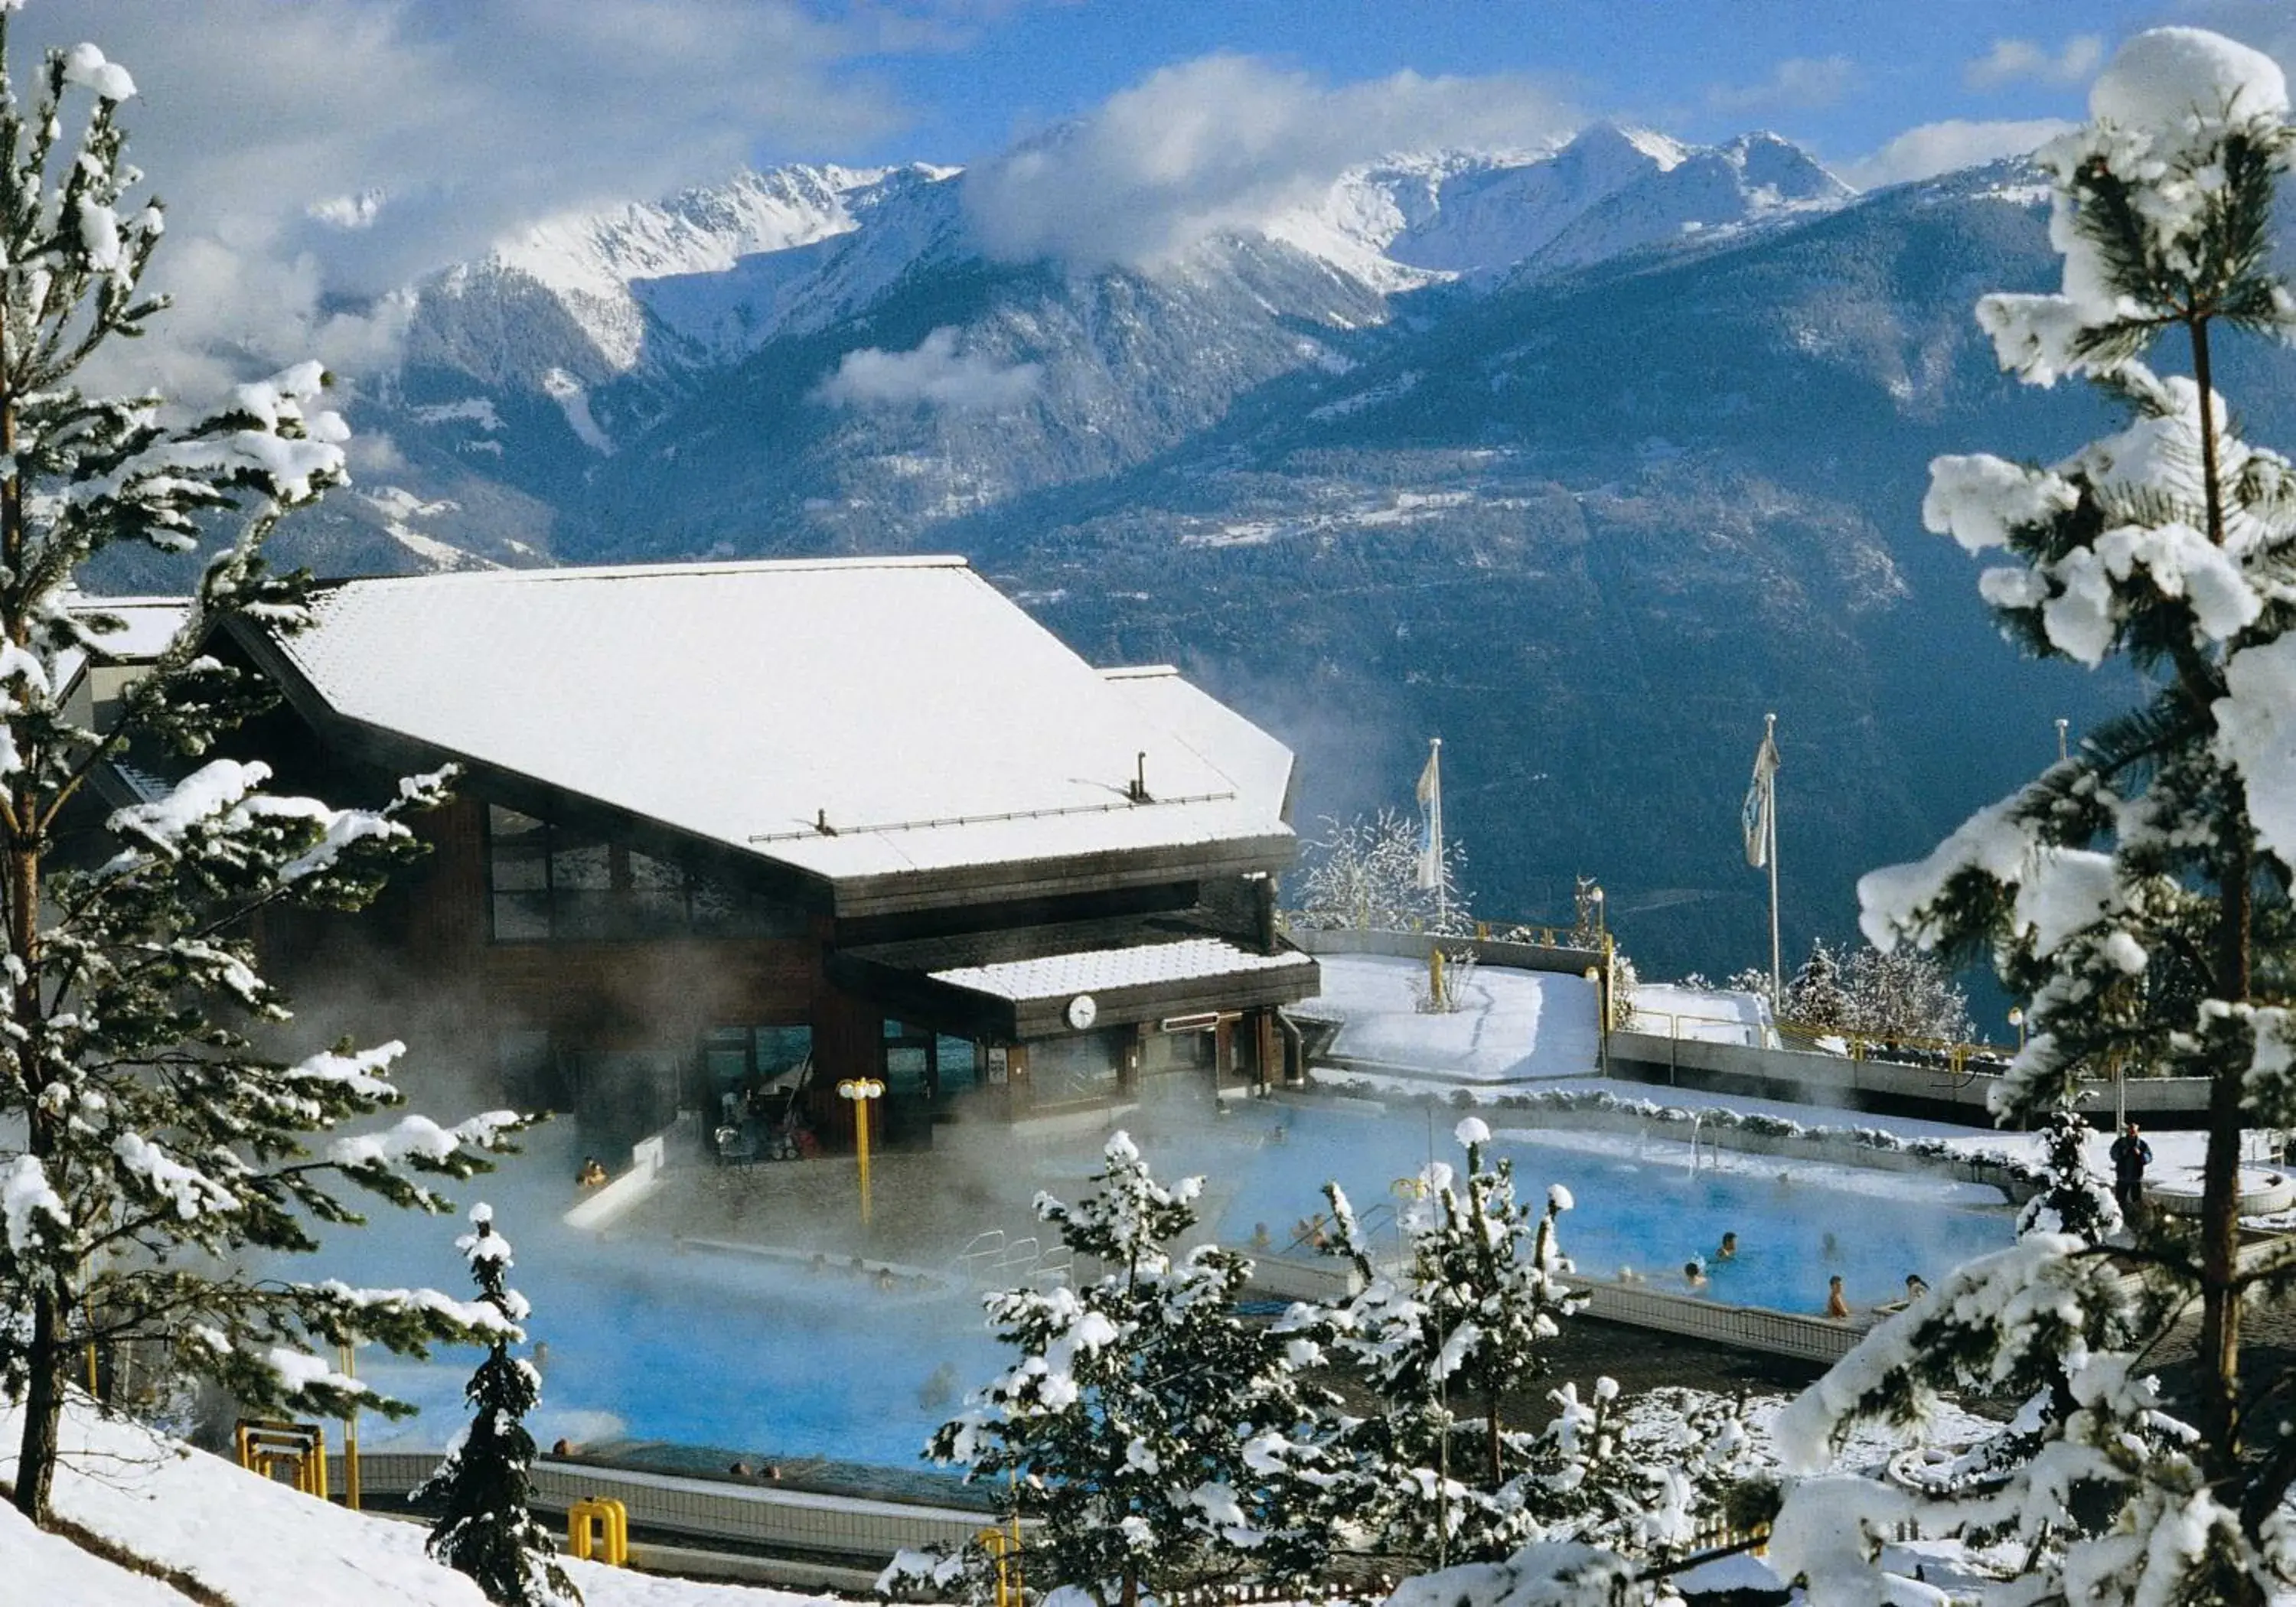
2130	1156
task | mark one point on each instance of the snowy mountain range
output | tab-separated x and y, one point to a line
1583	457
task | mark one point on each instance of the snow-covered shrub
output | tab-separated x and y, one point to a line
1462	1320
2136	894
1364	875
152	1149
485	1527
1162	1440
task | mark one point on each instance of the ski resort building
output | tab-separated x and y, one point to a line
728	835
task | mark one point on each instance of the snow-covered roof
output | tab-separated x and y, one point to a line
929	722
1105	969
151	622
1261	766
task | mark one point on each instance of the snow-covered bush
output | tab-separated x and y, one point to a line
2136	893
1364	875
1901	995
147	1141
1463	1321
485	1527
1162	1440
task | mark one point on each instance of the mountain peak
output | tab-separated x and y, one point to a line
1626	142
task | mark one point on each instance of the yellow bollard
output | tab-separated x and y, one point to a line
1435	977
1004	1546
613	1530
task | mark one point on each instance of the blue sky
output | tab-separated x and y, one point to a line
1844	79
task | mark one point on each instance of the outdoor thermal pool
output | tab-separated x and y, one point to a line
782	1358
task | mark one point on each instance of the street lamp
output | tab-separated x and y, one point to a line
861	1090
2017	1020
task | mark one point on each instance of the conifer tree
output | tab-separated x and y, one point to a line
1464	1322
485	1529
2136	893
1162	1440
146	1139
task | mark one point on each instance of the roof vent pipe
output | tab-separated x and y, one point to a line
821	823
1138	791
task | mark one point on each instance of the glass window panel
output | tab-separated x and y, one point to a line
582	866
506	825
956	1057
521	917
779	1048
650	874
904	1069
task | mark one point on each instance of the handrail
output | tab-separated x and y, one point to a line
1857	1045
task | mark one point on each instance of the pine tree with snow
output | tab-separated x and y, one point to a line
146	1138
1161	1439
2136	893
1464	1323
485	1528
1814	994
2076	1201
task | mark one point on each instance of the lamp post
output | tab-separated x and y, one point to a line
2017	1020
861	1090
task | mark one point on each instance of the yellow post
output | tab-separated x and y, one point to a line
1435	976
612	1519
861	1090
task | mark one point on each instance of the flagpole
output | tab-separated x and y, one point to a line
1777	978
1442	891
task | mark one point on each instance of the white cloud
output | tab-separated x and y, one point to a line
348	211
1226	142
2017	61
934	373
1934	148
1797	83
267	126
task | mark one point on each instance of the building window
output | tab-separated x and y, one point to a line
549	884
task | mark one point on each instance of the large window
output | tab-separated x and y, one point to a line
549	884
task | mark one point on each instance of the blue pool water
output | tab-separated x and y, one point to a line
1648	1210
773	1359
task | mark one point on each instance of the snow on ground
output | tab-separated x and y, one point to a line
1707	1015
1511	1026
256	1541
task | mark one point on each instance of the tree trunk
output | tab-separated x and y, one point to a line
2219	1361
36	1458
1494	1474
1129	1595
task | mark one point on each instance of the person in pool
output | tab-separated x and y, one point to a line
1916	1286
1693	1273
1729	1250
1837	1304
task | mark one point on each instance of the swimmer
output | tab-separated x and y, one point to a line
1261	1240
739	1470
1693	1273
1837	1304
1729	1250
885	1277
1916	1286
562	1447
1627	1274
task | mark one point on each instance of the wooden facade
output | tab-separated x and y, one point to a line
567	953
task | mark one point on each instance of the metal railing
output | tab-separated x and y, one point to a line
1958	1060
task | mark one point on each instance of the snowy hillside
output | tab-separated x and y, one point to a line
249	1540
1611	190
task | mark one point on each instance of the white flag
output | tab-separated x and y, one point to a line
1759	818
1430	811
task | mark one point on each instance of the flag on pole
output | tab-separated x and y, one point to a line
1758	817
1430	813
